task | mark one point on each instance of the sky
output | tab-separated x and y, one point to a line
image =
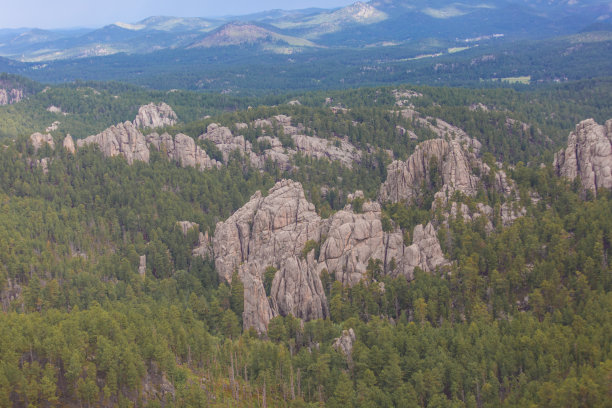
88	13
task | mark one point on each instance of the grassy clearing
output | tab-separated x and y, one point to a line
457	49
518	80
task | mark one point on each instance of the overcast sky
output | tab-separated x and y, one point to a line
88	13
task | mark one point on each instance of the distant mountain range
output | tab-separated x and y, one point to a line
376	23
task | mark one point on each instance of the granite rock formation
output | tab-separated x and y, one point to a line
155	116
10	96
204	247
310	146
69	144
185	226
123	139
355	238
266	231
273	231
405	179
297	289
39	139
344	343
182	149
588	155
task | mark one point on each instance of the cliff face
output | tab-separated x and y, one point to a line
38	140
405	179
268	231
69	144
354	239
124	139
588	155
271	147
182	149
155	116
273	231
297	289
10	96
127	140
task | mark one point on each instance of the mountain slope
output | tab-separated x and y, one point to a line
247	34
357	25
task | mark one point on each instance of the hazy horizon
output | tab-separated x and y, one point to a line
73	14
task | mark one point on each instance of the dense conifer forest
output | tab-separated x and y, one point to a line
520	316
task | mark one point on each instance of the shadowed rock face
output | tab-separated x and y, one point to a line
588	155
154	116
273	231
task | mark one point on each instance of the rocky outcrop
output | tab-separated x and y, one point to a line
39	139
266	231
588	155
403	96
354	239
282	121
182	149
425	251
10	291
43	164
56	109
155	116
54	126
338	150
10	96
155	386
222	137
204	247
297	289
451	163
185	226
405	179
69	144
271	148
344	343
273	231
442	129
142	266
124	139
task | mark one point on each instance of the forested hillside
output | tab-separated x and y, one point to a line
246	69
110	280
